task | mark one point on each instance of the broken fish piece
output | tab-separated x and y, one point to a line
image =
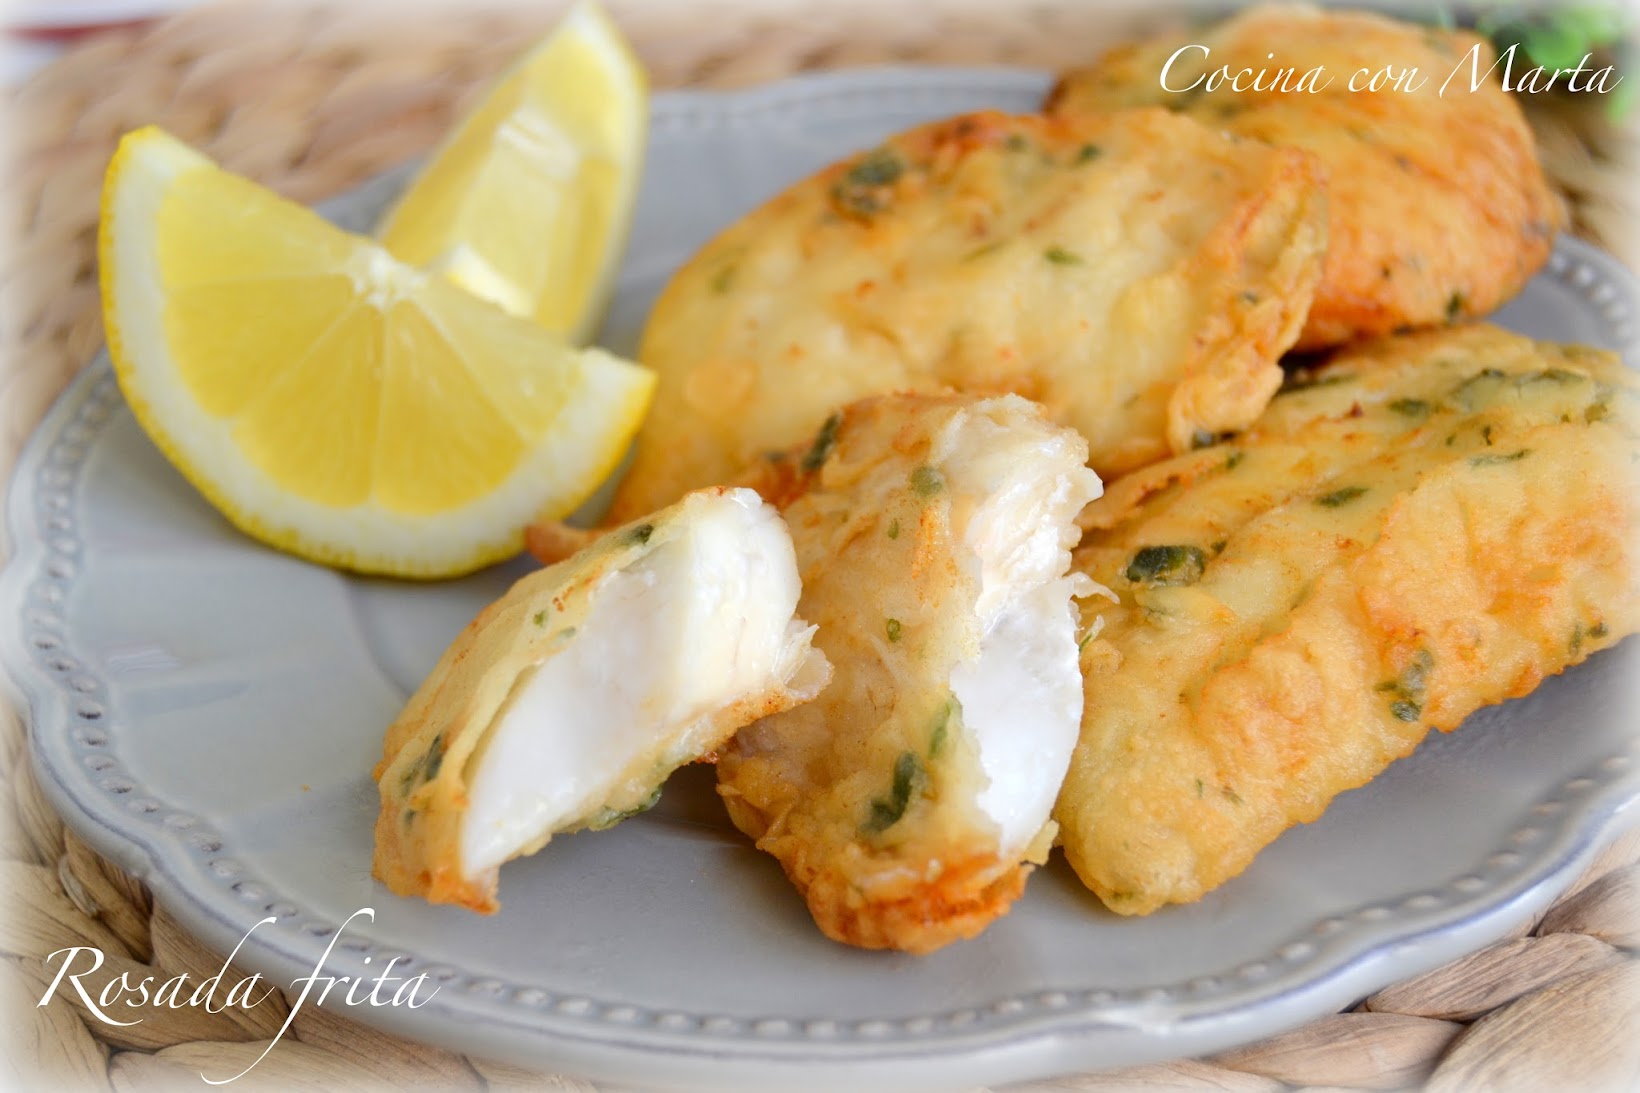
567	702
909	800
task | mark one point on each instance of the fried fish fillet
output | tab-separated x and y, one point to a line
1433	524
1437	207
567	702
1137	274
933	534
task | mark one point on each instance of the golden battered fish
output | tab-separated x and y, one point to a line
568	701
1437	207
1135	273
1427	525
933	534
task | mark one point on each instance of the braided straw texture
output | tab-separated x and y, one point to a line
313	99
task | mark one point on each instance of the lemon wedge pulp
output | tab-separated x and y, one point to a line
528	202
327	398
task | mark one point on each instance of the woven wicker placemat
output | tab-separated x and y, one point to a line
312	99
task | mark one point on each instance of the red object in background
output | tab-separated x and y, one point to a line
65	35
60	21
33	32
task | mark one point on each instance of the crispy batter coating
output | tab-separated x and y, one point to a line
1438	209
1433	524
881	797
1136	274
431	751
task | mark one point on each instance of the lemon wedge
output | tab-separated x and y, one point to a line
528	202
330	400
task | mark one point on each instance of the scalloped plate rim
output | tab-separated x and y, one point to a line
1034	1045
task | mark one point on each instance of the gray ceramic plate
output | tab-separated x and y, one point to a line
207	711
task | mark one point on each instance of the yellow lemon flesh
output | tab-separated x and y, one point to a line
330	400
527	204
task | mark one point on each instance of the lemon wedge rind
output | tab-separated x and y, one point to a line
603	397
